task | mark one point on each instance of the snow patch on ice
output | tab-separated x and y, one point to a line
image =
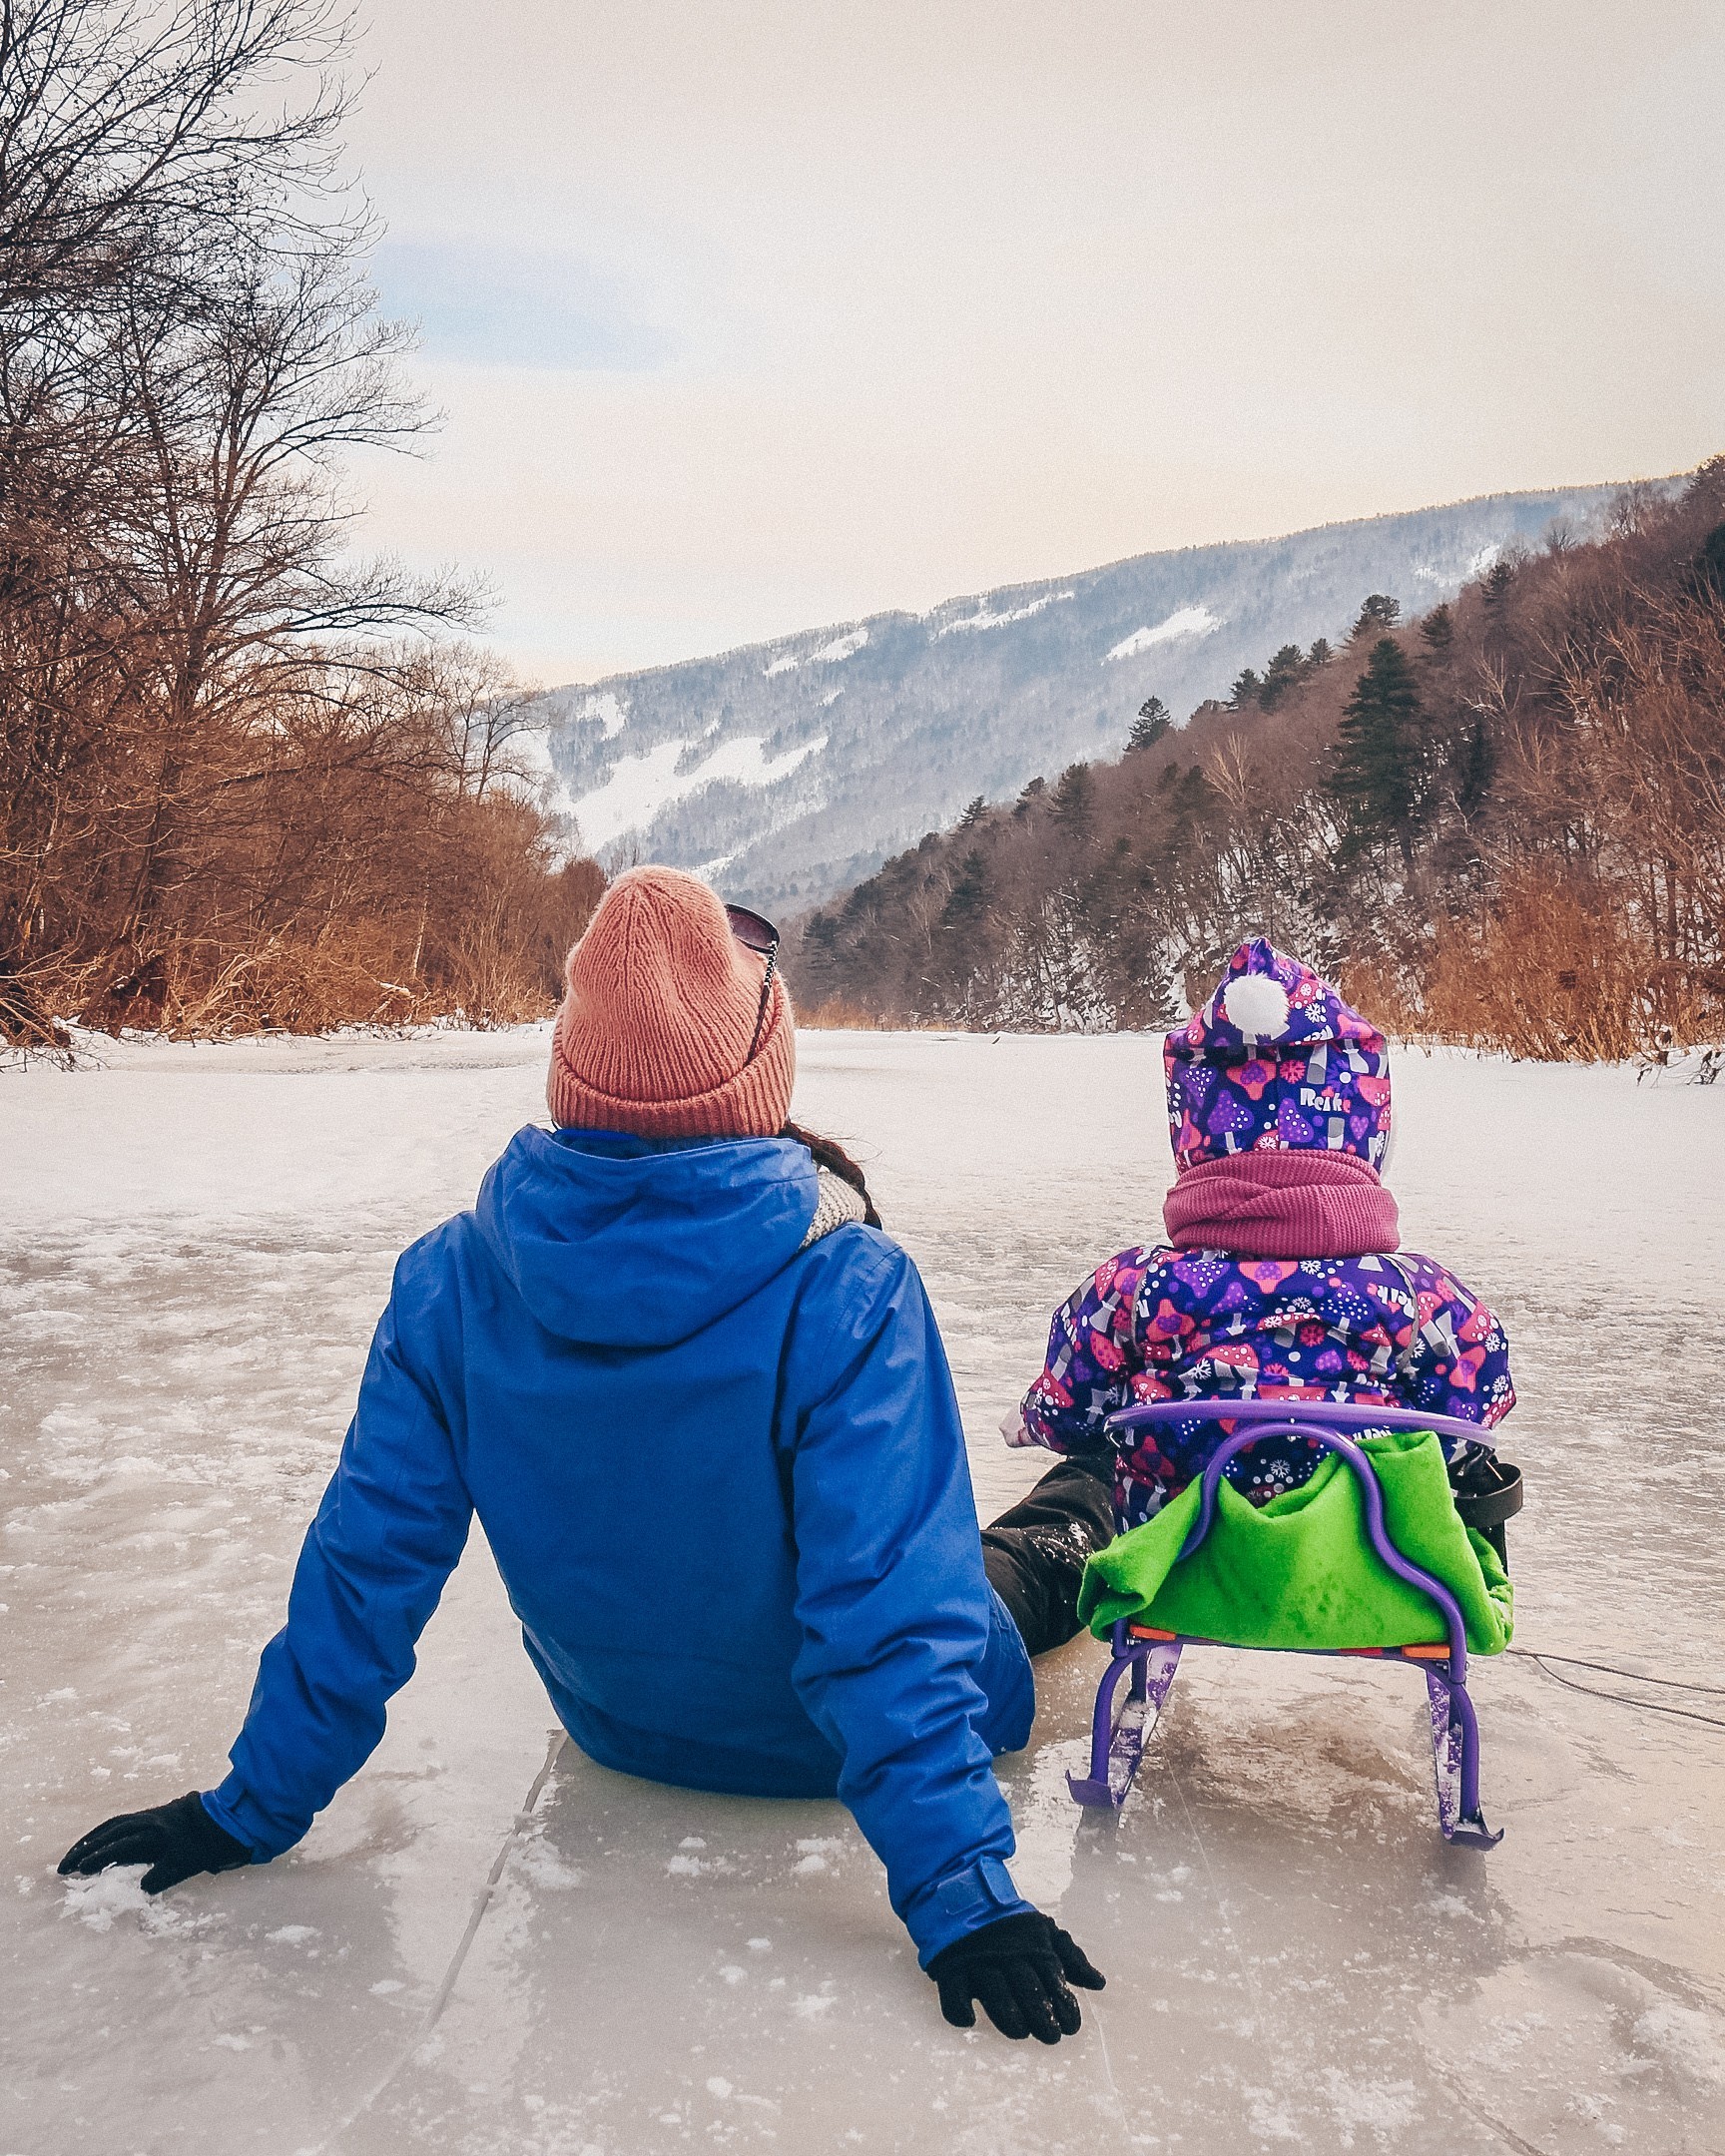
638	787
1679	2036
1188	621
543	1868
114	1893
813	2004
291	1934
1381	2107
985	618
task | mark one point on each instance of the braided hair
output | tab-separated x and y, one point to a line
829	1154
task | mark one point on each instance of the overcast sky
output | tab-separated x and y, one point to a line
751	318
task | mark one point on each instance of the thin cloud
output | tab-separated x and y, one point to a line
500	306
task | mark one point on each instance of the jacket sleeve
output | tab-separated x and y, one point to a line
1094	1353
895	1611
387	1536
1457	1363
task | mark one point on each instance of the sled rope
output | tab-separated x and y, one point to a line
1672	1683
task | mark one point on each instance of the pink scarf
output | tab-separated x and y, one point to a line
1282	1204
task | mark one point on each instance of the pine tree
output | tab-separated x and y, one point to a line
967	901
1075	797
1475	766
1712	565
1319	655
1246	689
1152	722
1438	628
1378	613
1282	674
1375	779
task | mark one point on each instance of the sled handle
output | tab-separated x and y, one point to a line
1275	1419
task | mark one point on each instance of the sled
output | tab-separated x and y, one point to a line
1146	1660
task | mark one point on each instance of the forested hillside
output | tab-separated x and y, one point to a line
1500	823
791	769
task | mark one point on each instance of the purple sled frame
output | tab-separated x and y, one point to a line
1152	1657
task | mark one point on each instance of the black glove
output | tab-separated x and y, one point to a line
1019	1967
175	1839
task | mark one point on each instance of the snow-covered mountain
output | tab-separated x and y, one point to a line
791	769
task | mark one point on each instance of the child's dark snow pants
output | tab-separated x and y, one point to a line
1035	1554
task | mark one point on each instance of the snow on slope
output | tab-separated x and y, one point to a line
194	1248
1191	621
640	787
980	693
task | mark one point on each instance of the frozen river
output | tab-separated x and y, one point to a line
194	1246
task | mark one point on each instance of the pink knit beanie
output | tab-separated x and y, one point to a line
654	1028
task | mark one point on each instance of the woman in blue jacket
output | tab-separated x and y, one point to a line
665	1310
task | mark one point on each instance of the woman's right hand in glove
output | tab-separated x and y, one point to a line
175	1839
1019	1967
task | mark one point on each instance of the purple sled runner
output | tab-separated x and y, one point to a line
1151	1658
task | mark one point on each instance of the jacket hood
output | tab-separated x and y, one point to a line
624	1242
1276	1060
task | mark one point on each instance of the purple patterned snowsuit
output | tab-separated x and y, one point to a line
1157	1324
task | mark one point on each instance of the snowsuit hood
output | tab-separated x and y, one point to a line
579	1220
1276	1060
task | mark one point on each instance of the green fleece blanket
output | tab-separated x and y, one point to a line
1301	1571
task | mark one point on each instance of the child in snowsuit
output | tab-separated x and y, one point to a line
1281	1278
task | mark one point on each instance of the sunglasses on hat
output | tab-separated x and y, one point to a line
756	933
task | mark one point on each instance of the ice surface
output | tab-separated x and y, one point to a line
194	1245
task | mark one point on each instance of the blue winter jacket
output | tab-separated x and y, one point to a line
725	1483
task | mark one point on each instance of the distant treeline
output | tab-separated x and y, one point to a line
1500	823
246	778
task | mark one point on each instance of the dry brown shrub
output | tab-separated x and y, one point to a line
1554	973
837	1015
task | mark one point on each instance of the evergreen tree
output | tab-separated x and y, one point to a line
972	814
1379	613
1375	779
1438	628
1246	689
1712	564
967	901
1474	770
1153	721
1282	674
1497	582
1075	797
1319	655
